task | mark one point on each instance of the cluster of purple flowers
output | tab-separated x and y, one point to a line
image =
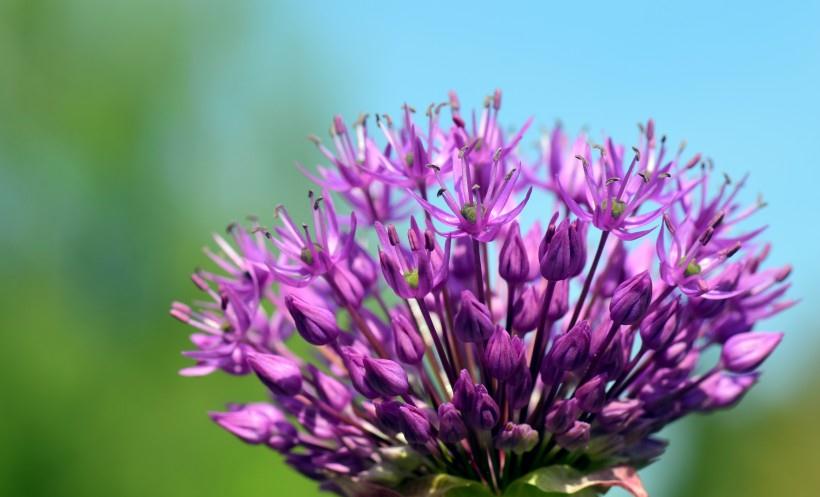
467	346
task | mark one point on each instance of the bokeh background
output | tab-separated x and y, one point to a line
131	130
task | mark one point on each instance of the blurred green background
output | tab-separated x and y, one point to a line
128	132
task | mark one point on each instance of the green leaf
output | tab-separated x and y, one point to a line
554	481
446	486
441	485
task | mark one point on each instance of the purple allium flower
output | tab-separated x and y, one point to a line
425	361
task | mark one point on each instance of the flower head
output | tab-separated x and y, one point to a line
521	350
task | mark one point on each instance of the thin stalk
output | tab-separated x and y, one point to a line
448	368
479	277
588	281
539	346
511	287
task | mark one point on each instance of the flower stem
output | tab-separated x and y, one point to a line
588	280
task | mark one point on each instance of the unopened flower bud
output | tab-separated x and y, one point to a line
657	327
559	304
451	426
484	413
562	415
329	389
388	415
415	425
577	437
513	261
354	363
464	393
280	374
562	254
408	342
500	359
616	415
516	438
591	395
314	323
527	309
746	351
385	377
472	321
631	299
571	350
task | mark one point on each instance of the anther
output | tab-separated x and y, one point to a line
393	235
733	250
429	241
707	236
412	240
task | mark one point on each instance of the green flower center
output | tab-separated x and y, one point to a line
412	278
469	212
692	269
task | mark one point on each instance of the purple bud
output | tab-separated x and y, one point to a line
559	304
388	415
462	260
615	271
631	299
316	324
363	267
464	393
571	350
500	358
746	351
519	390
329	389
577	437
518	439
527	309
513	263
347	285
591	395
408	342
451	427
385	377
562	415
472	321
730	324
659	325
723	390
354	362
562	254
280	374
415	425
256	424
484	413
616	415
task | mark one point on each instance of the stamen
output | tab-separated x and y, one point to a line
393	235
